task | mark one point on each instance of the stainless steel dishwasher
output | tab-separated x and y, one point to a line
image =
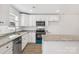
17	46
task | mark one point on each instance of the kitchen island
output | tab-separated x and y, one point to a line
60	44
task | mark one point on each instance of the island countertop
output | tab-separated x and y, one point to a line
57	37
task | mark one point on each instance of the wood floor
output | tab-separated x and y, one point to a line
32	48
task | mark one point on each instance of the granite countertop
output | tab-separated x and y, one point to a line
5	39
52	37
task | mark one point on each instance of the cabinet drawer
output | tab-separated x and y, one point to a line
8	52
6	47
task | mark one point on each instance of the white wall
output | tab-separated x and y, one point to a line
68	24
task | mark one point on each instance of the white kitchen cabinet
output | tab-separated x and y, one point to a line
8	47
29	35
32	37
47	17
40	17
54	18
13	14
14	19
8	52
7	13
24	40
32	20
24	20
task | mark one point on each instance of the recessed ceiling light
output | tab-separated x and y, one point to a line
30	10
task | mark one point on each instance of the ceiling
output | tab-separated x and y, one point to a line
48	8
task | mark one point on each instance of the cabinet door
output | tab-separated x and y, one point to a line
8	52
40	17
32	20
32	37
6	47
53	18
24	20
24	40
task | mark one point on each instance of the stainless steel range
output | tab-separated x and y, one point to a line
40	30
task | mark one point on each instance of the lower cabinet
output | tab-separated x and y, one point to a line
28	37
32	37
7	49
24	40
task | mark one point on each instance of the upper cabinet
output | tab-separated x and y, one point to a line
8	14
30	20
34	18
14	15
46	18
9	18
14	18
40	17
27	20
24	20
53	18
